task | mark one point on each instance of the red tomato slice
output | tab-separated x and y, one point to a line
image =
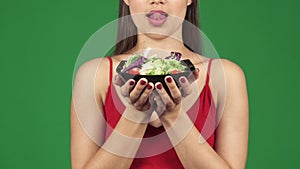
135	71
175	71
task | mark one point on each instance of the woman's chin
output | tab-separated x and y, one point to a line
156	36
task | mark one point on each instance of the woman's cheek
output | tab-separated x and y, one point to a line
178	10
137	6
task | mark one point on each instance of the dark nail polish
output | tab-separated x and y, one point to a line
169	79
149	86
159	86
143	82
182	80
131	83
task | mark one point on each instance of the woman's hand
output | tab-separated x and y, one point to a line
138	94
169	106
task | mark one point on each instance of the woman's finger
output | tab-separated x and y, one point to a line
175	92
151	96
160	105
127	87
166	99
186	88
137	90
118	80
143	101
147	107
193	77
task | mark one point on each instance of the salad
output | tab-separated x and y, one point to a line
140	64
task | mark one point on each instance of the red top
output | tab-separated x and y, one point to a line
156	151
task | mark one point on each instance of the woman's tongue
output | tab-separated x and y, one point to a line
157	16
157	19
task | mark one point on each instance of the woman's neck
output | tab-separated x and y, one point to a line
166	43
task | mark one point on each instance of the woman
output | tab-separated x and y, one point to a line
120	146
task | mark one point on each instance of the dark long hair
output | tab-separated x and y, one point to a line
127	31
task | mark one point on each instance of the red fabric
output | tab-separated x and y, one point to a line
203	114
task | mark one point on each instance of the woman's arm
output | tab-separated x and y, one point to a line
84	152
231	135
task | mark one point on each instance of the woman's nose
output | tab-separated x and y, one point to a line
152	2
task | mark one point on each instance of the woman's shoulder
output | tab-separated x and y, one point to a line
226	77
99	66
225	64
96	72
120	57
224	71
91	66
231	70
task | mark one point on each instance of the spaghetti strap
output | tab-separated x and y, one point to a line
208	70
110	69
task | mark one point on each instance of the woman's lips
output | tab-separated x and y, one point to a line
157	17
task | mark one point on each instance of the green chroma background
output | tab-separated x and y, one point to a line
40	41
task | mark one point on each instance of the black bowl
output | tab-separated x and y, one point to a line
158	78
